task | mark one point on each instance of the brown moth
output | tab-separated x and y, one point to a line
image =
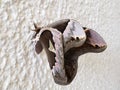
69	40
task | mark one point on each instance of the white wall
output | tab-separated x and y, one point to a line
22	69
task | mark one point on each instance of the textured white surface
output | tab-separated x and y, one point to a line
22	69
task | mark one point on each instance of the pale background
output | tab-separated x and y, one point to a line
22	69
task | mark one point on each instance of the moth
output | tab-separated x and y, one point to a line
69	40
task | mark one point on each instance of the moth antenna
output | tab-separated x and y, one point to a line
35	26
34	30
37	29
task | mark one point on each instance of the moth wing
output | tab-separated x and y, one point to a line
57	60
38	47
94	39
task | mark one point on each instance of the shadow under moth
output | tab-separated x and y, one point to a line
69	40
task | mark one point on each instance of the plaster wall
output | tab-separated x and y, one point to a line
22	69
